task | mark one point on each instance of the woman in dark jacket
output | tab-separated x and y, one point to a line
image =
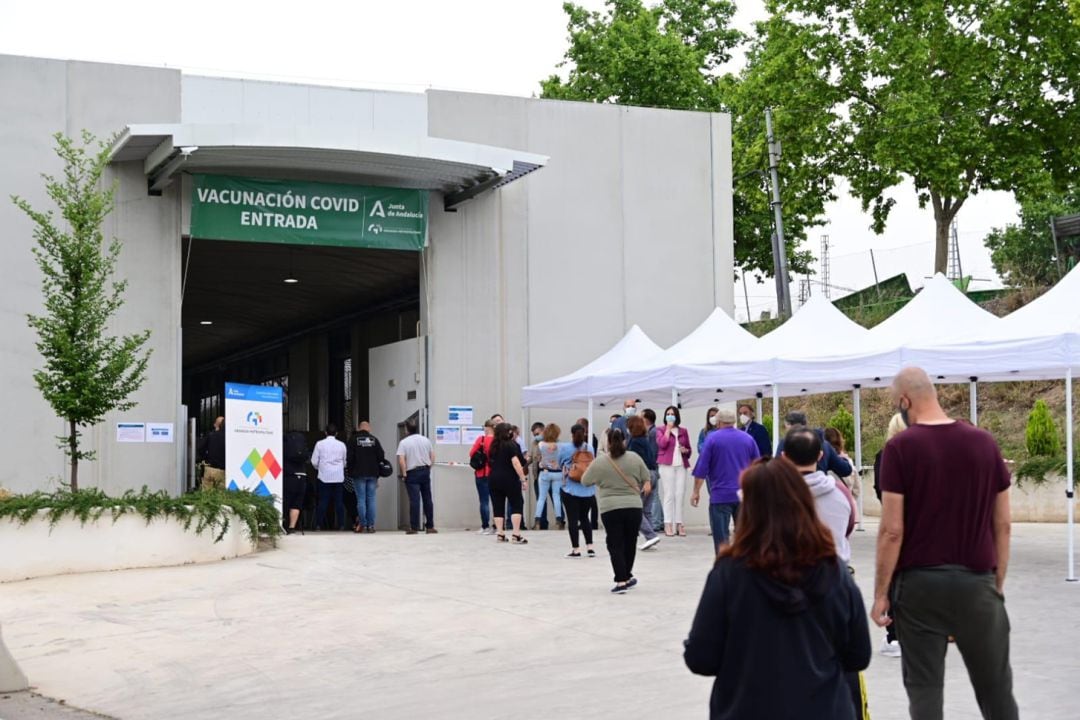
780	623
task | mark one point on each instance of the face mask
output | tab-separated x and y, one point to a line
630	411
712	421
538	438
670	418
744	419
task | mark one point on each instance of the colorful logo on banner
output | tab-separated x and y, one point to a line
260	466
254	419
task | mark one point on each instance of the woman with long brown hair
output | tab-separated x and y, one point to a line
780	621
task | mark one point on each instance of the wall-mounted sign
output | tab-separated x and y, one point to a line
447	435
159	432
130	432
470	434
460	414
295	212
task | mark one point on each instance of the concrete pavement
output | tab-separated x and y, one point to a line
451	626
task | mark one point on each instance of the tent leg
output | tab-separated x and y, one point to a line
973	400
529	505
856	401
1069	487
757	410
588	435
775	418
674	397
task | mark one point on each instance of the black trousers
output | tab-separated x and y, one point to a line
594	513
929	605
576	510
622	528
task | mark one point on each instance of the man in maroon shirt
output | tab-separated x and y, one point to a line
943	549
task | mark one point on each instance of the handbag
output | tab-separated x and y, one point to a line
385	468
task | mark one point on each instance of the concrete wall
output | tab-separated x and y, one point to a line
629	223
39	98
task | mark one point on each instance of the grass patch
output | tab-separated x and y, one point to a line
200	512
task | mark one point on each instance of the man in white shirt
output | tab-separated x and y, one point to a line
328	458
415	457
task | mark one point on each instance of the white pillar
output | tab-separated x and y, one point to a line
856	398
776	429
973	400
674	397
1069	487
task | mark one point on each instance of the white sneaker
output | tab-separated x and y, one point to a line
890	649
487	531
650	543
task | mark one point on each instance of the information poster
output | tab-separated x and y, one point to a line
447	435
470	434
253	439
159	432
130	432
460	414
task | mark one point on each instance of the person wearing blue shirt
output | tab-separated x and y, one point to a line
576	498
756	430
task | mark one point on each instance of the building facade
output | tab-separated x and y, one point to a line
551	228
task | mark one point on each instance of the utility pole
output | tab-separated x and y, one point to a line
746	297
783	294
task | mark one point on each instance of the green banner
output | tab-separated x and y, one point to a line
296	212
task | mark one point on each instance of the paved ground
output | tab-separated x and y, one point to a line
448	626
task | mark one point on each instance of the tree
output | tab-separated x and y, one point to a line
670	56
1041	435
959	97
87	372
1024	254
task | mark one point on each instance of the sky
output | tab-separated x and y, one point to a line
491	46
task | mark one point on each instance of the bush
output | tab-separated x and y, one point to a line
844	422
1042	433
199	511
767	422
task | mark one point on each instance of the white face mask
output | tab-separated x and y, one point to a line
630	411
744	419
712	421
670	418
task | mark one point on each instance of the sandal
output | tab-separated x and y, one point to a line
518	540
682	532
500	537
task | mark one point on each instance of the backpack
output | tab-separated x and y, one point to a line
479	459
579	463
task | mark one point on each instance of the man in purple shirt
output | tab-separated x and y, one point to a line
726	453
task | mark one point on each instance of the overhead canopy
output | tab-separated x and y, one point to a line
339	153
570	390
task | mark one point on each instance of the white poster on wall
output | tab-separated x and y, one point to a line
159	432
130	432
447	435
253	439
470	434
460	414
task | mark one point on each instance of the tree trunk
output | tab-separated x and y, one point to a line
73	445
941	244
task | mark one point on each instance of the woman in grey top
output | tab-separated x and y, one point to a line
620	478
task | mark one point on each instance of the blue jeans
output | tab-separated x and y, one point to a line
655	507
721	516
331	492
365	488
418	485
483	491
550	482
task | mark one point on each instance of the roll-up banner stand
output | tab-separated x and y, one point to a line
253	439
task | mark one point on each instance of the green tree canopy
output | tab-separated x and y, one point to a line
670	55
1024	253
87	371
957	96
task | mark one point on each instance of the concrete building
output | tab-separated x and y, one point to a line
551	227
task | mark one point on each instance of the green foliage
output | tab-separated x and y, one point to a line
200	511
87	372
669	55
1024	254
1042	432
1037	468
956	97
844	422
767	422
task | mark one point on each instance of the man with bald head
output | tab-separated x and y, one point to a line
943	549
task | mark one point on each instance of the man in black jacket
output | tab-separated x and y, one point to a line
296	458
363	455
830	459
